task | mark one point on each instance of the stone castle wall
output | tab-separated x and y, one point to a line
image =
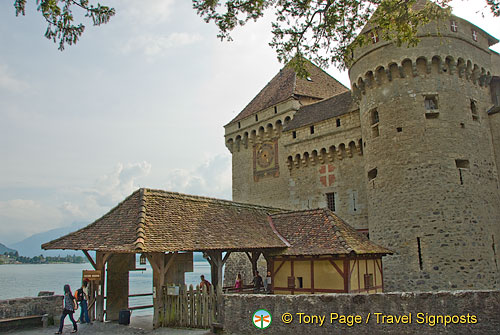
431	174
483	305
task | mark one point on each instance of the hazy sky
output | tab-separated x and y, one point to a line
138	102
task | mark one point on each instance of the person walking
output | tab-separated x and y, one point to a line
83	297
69	307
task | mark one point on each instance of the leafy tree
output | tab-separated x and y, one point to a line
324	31
59	17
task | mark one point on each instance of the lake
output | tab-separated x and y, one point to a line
26	280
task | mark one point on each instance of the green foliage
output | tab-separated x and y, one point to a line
59	16
13	257
326	31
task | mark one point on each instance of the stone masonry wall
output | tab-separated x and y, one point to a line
51	305
434	196
478	311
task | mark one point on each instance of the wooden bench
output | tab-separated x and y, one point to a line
24	322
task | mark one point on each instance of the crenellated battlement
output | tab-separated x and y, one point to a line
421	66
325	155
257	133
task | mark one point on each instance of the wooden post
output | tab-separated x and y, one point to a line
254	257
160	265
101	259
216	264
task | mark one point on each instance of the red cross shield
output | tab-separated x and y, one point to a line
326	175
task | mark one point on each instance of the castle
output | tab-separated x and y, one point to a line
410	155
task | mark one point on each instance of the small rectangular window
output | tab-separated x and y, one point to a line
474	35
312	129
239	125
372	174
294	134
330	201
256	117
338	122
275	110
431	103
301	282
399	129
369	280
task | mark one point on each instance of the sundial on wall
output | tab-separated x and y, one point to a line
265	160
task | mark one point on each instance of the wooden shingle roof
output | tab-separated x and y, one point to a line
321	232
160	221
286	84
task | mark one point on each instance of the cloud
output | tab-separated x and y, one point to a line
23	217
112	188
157	45
146	11
211	178
8	82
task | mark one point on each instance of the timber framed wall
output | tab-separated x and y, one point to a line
326	274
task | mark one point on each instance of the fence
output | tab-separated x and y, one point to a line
191	307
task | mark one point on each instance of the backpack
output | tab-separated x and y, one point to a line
79	294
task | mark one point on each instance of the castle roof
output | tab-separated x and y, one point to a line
160	221
326	109
321	232
287	84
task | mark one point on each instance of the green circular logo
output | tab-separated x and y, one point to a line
261	319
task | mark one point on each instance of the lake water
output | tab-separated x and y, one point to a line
26	280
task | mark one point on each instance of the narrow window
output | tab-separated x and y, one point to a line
275	110
330	201
474	35
420	263
399	129
294	134
354	196
239	125
301	282
369	280
256	117
462	164
372	174
312	130
374	116
454	26
473	110
338	122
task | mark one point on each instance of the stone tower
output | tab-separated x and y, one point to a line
428	144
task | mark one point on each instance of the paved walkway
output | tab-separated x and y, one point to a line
138	325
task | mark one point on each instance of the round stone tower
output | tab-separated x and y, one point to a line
431	176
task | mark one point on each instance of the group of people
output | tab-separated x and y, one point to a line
257	282
70	305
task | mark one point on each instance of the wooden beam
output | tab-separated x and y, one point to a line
279	267
226	257
336	267
90	259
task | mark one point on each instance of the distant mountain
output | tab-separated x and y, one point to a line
4	249
31	246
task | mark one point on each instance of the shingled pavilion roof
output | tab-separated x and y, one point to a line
287	84
323	110
321	232
160	221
